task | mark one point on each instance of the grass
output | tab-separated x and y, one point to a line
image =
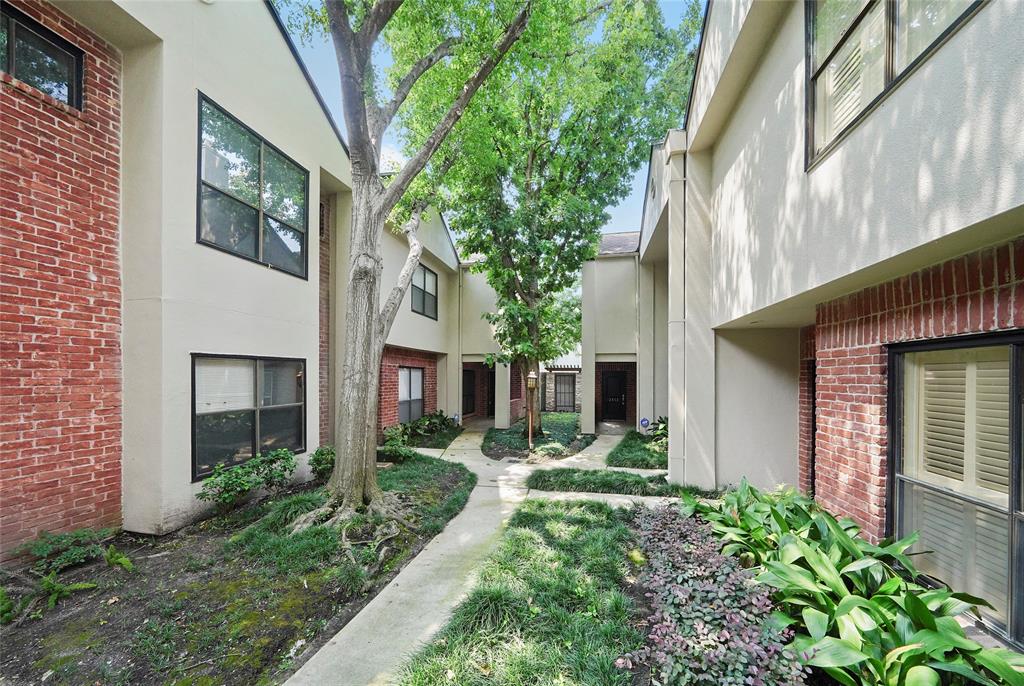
268	540
561	437
547	607
606	481
639	451
441	439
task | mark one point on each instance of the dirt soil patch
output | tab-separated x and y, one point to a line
220	602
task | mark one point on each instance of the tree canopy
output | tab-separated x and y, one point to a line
546	147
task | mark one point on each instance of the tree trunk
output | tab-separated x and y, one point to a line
354	481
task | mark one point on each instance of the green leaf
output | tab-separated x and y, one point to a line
963	670
816	622
834	652
994	662
922	675
918	611
938	643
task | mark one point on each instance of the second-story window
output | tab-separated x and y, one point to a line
252	197
424	292
859	49
39	57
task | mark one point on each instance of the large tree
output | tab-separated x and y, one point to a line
544	155
441	51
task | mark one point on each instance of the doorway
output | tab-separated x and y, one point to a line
468	392
613	395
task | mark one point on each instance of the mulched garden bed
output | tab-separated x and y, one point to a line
219	602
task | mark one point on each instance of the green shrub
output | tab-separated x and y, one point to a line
428	425
322	461
395	453
228	486
56	552
639	451
115	558
396	436
659	429
54	590
859	613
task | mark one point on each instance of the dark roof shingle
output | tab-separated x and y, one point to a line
619	243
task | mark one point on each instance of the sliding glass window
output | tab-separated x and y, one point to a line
252	198
958	468
857	50
245	405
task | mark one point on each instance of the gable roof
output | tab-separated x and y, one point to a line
619	243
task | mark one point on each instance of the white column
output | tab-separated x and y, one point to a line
676	323
589	339
502	396
645	343
699	337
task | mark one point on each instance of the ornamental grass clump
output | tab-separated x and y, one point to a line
712	623
859	611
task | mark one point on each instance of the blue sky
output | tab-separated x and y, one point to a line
320	60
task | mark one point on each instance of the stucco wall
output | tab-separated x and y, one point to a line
942	152
756	406
615	314
477	297
411	329
182	297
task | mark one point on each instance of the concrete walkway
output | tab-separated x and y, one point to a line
372	648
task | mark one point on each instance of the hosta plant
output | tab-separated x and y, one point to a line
859	611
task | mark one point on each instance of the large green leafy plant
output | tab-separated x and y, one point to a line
860	612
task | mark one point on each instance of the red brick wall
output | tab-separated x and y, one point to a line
325	326
482	376
805	428
516	393
387	409
630	369
60	298
979	292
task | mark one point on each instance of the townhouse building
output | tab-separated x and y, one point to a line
175	215
838	234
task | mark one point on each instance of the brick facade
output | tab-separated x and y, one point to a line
60	297
326	430
975	293
630	369
393	358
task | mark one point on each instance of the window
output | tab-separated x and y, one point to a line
245	405
565	392
410	394
39	57
958	469
252	198
860	49
424	292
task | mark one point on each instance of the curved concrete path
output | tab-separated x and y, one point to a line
372	648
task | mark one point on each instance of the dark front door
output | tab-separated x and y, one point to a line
468	392
490	394
613	395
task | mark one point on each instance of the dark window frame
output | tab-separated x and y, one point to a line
572	393
891	78
255	359
1013	633
411	400
15	19
414	288
261	213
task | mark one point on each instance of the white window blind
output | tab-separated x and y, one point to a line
224	384
957	426
403	383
